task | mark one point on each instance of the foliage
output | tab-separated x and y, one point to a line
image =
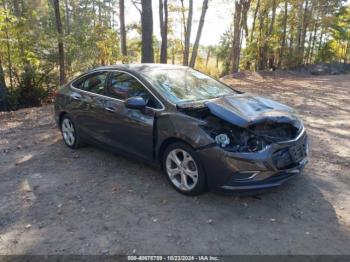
314	31
28	45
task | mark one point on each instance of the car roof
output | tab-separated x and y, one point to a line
140	67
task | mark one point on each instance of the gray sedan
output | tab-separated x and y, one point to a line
201	132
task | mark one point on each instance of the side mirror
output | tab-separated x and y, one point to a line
135	102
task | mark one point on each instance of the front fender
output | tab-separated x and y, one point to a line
182	127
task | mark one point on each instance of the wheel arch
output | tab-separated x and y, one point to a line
60	117
167	142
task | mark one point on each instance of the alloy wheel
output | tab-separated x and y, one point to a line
182	169
68	132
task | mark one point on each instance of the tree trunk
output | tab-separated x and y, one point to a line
27	67
254	20
99	11
173	56
93	11
68	29
67	17
274	6
56	5
241	9
311	36
187	31
268	52
320	42
16	8
147	53
261	53
3	90
163	18
244	19
122	28
283	44
317	24
299	30
306	21
346	52
208	56
199	33
235	54
8	49
313	43
291	44
112	16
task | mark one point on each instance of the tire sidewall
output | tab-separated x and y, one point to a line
201	183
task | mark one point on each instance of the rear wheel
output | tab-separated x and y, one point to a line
183	169
69	133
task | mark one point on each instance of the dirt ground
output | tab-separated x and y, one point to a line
57	201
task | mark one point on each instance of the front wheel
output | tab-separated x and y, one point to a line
183	169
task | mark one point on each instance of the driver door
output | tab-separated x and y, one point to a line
130	130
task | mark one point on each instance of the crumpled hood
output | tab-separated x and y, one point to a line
247	109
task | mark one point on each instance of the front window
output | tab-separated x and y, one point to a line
185	84
123	86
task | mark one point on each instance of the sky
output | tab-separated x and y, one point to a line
217	20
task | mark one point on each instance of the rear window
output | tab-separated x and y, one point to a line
94	83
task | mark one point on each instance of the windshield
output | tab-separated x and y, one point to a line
185	84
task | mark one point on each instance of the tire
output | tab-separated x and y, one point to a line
183	169
69	133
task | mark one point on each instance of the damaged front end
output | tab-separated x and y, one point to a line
248	139
257	139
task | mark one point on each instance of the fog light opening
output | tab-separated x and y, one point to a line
245	175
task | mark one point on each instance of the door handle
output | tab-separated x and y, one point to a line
110	109
76	97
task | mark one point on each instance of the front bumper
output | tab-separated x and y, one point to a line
267	168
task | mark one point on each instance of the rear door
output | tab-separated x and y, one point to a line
87	102
129	129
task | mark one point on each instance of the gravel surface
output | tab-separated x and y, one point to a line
54	200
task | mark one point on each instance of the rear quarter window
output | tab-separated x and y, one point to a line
94	83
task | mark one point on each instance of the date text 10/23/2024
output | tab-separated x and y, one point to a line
173	258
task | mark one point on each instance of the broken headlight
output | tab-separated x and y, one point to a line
236	139
222	139
250	139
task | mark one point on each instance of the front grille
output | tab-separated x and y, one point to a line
290	156
298	152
